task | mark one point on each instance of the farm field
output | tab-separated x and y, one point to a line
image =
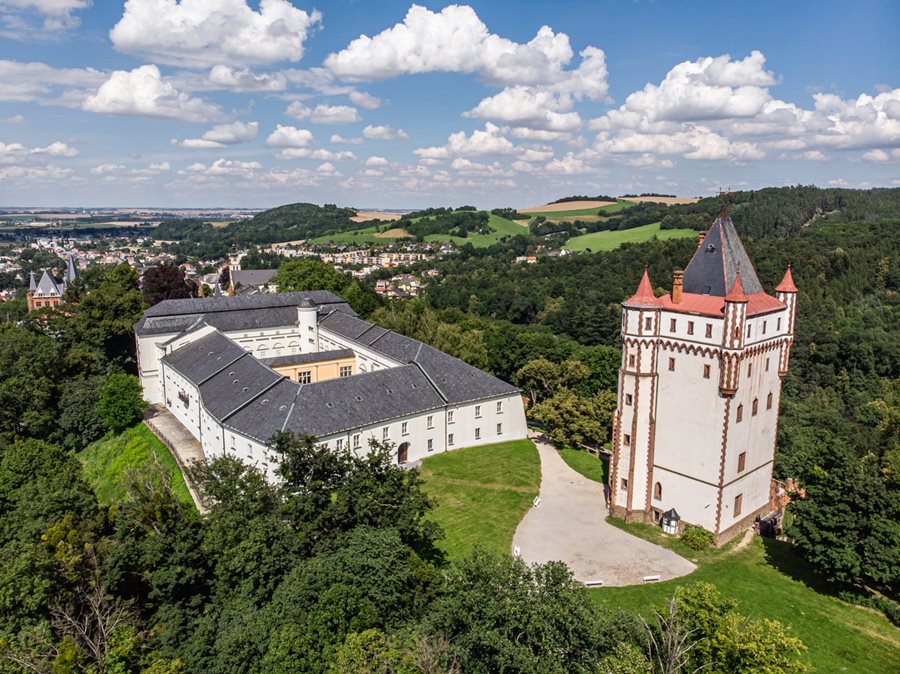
565	213
481	494
597	241
107	461
769	581
668	201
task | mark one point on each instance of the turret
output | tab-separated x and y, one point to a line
735	311
308	325
786	292
29	295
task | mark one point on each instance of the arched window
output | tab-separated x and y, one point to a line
657	491
769	401
740	413
755	406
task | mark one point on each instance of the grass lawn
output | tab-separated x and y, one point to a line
592	467
597	241
769	581
482	493
361	235
107	461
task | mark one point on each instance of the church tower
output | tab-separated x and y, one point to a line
699	391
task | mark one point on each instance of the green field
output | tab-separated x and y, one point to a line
769	581
599	210
107	461
597	241
482	493
501	226
585	463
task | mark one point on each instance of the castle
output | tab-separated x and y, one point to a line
48	292
699	391
236	370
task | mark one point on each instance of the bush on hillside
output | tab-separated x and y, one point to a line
696	538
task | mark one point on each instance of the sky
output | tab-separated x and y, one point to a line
387	104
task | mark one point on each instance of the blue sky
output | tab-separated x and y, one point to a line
390	105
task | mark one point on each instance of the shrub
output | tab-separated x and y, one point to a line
696	538
120	404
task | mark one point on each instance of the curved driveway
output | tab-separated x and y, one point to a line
569	525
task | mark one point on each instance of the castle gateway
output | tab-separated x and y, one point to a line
699	391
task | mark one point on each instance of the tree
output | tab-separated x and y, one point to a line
79	419
309	274
120	404
30	364
166	282
576	420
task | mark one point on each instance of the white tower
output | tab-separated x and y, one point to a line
699	390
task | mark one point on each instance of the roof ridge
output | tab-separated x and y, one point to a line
431	381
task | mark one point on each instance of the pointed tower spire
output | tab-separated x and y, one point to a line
32	284
71	270
787	283
737	291
644	296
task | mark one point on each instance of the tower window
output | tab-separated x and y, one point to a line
749	331
738	503
764	327
755	407
708	330
624	483
740	413
626	440
778	324
749	369
630	361
672	324
657	491
671	364
629	399
706	369
769	401
767	364
742	461
648	323
690	327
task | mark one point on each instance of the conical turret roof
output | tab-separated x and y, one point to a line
736	294
787	283
644	296
32	284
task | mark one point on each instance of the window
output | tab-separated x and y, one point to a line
312	341
356	442
749	331
708	330
690	327
183	397
630	361
310	328
626	440
450	439
767	364
624	483
478	434
740	413
778	324
706	369
499	429
477	411
755	408
657	491
671	364
304	377
339	444
648	323
345	370
362	367
749	369
450	415
430	445
769	401
385	433
404	428
764	326
629	399
742	461
738	502
672	324
499	407
429	422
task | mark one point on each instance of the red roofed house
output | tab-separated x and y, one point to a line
699	391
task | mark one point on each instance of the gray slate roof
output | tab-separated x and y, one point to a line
204	357
252	277
246	312
304	358
717	262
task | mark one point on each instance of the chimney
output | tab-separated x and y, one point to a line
677	286
700	239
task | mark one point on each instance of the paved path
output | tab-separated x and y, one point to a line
569	525
181	443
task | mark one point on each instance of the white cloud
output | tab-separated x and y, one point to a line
538	134
376	161
222	135
384	132
107	169
487	142
568	165
30	174
15	119
161	166
225	77
57	149
35	81
205	33
321	154
364	100
337	138
289	136
57	13
224	167
10	152
323	114
328	169
143	91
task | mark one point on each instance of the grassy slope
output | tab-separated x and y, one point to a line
599	210
597	241
482	493
585	463
107	461
769	581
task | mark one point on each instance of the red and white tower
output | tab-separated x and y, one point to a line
699	391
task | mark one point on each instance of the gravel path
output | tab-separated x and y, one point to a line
569	525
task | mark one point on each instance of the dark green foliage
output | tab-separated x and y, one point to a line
577	197
458	223
79	420
30	365
313	274
697	538
166	282
120	404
